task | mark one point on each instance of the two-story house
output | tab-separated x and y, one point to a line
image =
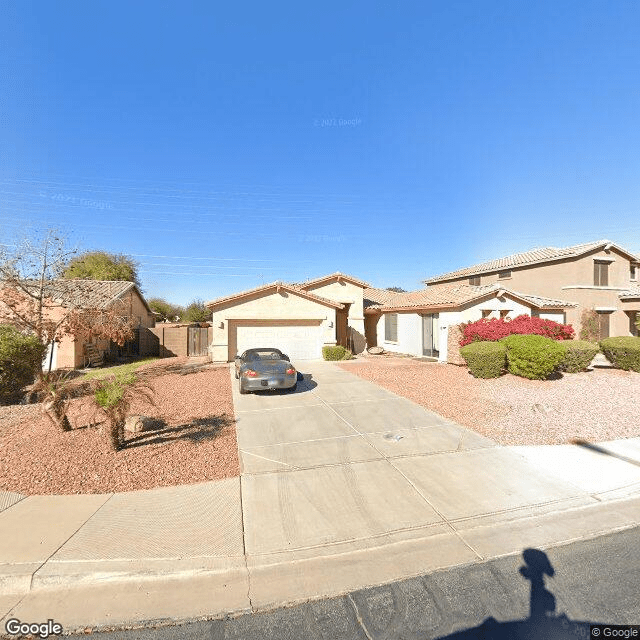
600	275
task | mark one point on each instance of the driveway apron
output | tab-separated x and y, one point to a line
344	463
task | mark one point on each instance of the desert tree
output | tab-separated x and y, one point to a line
196	312
168	312
101	265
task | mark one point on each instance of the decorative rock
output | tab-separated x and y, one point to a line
138	424
375	351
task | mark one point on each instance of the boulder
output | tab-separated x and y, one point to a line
138	424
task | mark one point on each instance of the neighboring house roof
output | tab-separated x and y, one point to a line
332	276
84	294
451	296
534	256
278	285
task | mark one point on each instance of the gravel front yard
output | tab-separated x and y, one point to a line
595	405
196	443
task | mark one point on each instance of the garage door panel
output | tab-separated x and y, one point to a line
299	342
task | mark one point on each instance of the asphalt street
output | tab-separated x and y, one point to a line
550	594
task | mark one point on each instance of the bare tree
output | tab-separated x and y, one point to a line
36	300
27	271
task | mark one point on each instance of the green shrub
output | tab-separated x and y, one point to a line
347	355
623	352
533	357
578	355
485	359
20	360
334	353
113	395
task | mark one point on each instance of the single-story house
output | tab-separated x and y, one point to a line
297	318
417	322
99	294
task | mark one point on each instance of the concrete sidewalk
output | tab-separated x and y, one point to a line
343	485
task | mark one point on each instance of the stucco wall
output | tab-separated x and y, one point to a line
133	306
409	334
276	306
345	292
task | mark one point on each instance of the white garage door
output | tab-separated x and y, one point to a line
299	342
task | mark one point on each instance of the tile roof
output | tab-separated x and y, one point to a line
337	274
86	293
452	295
278	283
534	256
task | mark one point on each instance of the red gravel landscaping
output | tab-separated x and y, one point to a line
596	405
196	443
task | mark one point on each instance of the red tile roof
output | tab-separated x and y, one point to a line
453	295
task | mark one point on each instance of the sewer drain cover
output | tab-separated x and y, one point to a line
392	436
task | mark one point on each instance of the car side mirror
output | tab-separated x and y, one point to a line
237	357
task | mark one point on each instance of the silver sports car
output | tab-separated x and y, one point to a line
261	369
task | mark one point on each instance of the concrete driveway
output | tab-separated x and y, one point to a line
342	465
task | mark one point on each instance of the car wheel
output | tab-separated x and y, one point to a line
243	391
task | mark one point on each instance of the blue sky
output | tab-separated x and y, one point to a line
228	144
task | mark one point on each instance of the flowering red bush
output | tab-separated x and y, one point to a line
490	330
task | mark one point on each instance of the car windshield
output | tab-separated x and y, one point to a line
264	354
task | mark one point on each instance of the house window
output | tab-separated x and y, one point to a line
633	272
600	274
603	324
504	313
391	327
474	280
486	313
504	274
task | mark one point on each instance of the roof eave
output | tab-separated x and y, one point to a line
338	276
277	286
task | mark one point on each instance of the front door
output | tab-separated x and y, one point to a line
603	325
430	335
342	333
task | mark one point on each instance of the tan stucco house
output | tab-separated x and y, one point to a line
99	294
418	322
297	318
